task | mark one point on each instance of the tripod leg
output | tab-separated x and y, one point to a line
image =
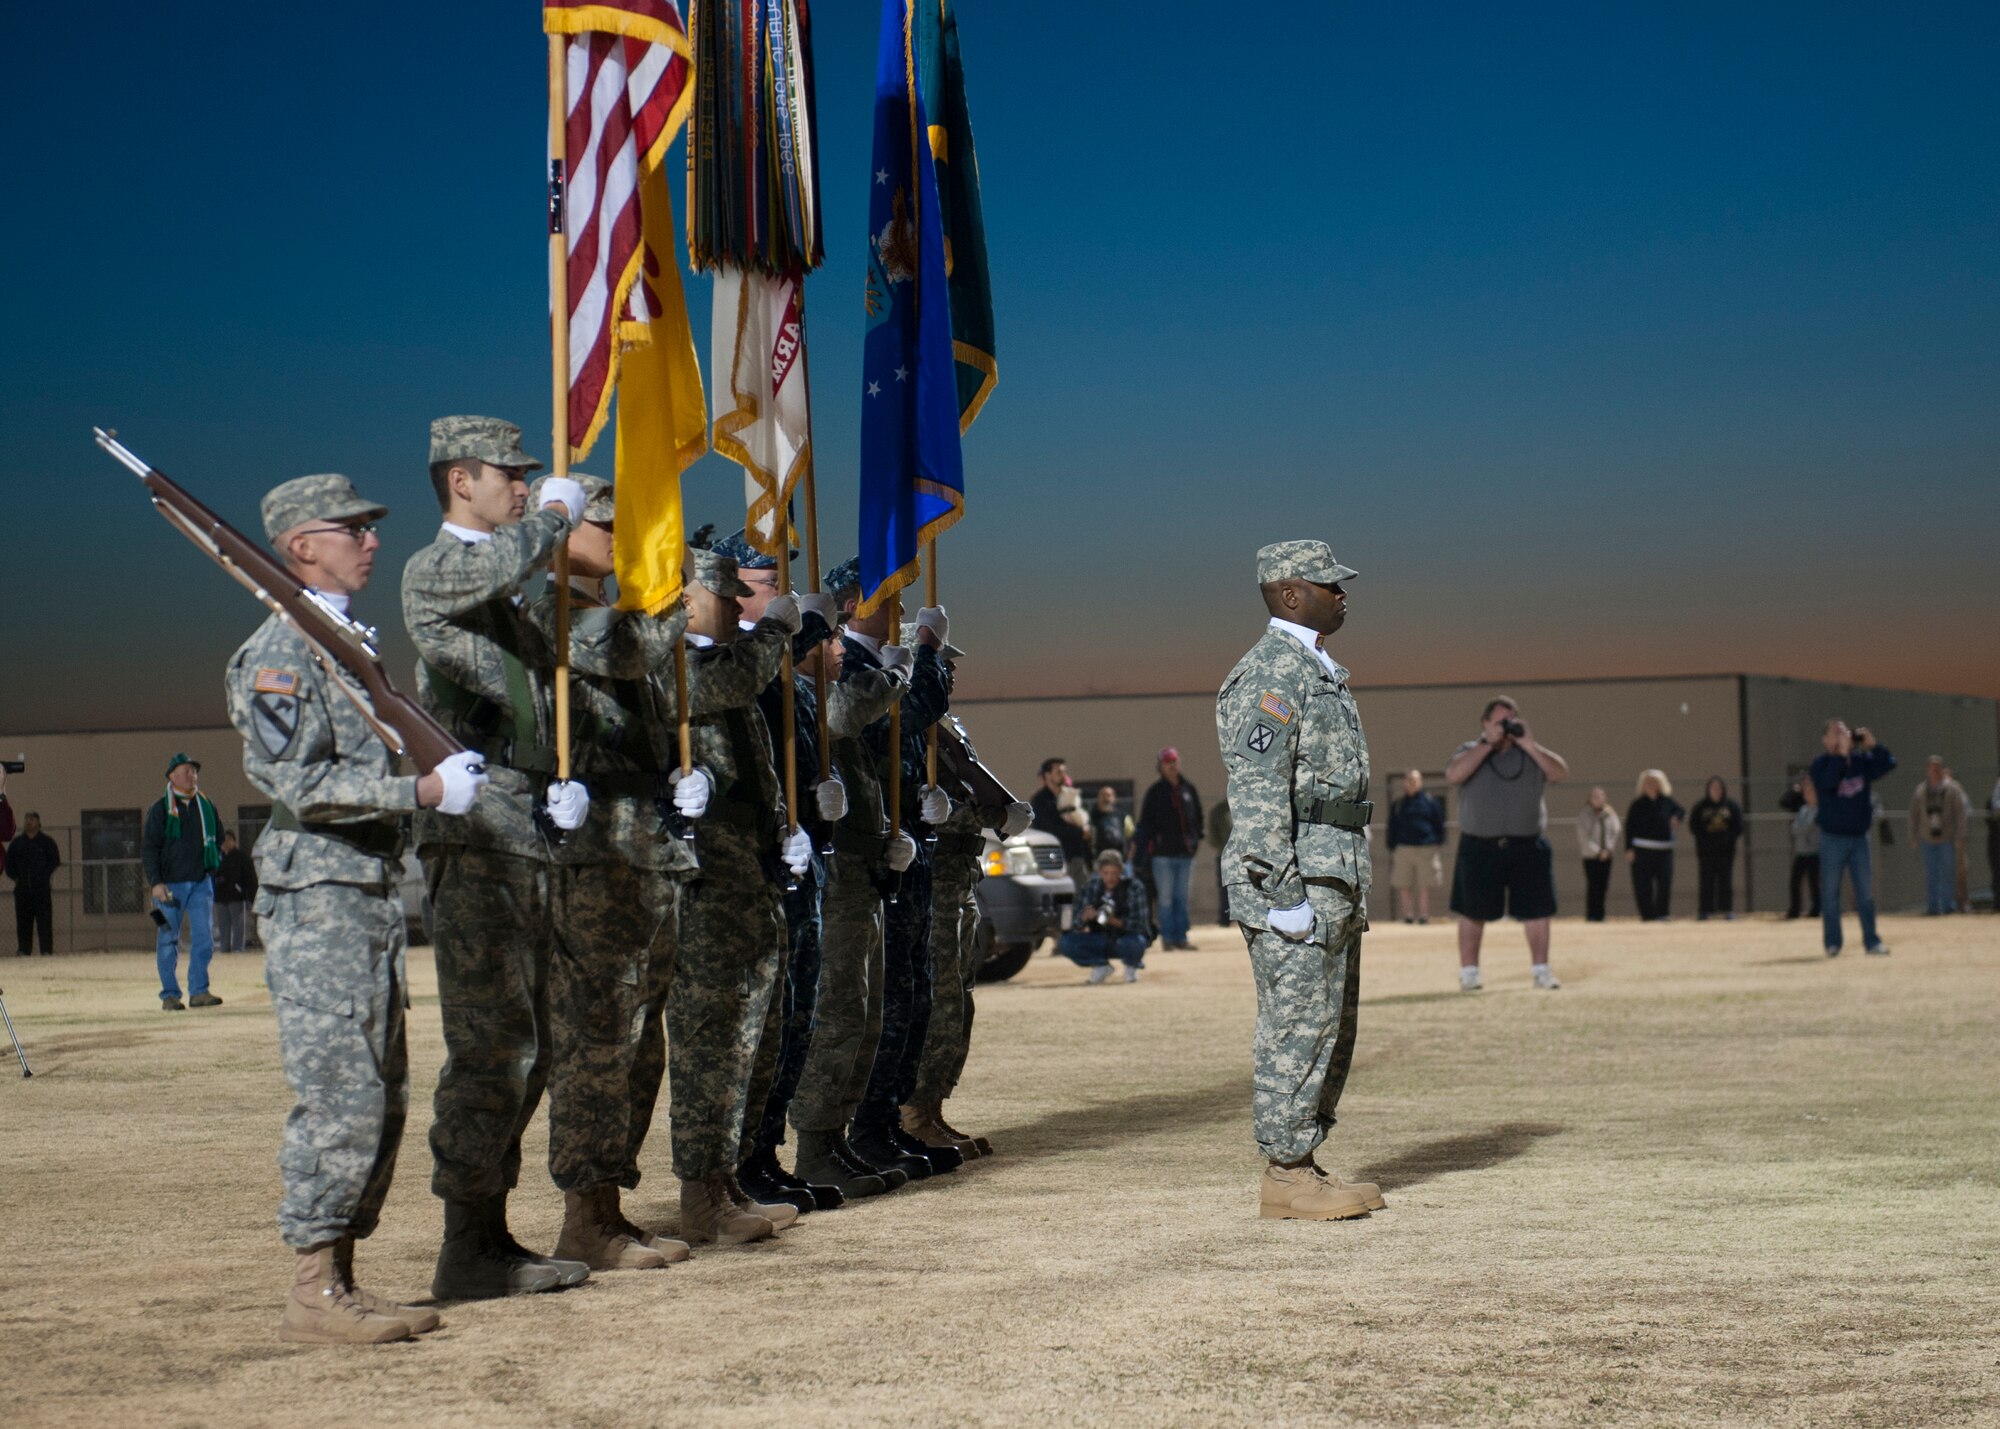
15	1038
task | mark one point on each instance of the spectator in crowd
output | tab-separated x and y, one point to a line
1805	850
1650	823
1416	832
1939	815
1717	823
1168	833
1504	863
1220	823
1109	827
1112	921
6	821
235	886
181	848
1067	824
1839	790
1993	844
1597	840
31	861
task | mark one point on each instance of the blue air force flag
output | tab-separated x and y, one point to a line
912	480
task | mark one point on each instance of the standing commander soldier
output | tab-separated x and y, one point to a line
484	673
332	919
1296	871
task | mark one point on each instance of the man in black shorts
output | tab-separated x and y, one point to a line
1504	866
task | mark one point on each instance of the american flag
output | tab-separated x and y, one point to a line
627	67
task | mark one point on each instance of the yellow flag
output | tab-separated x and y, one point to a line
662	415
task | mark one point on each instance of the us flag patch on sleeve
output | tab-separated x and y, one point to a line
1276	708
275	682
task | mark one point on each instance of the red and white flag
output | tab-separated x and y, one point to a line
757	358
626	76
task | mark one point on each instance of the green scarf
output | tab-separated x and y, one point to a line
211	852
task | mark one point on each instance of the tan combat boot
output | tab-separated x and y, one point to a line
322	1309
710	1216
1302	1193
420	1320
777	1213
673	1250
1368	1191
592	1234
922	1120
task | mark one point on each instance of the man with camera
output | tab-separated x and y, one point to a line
1838	787
1504	866
1112	922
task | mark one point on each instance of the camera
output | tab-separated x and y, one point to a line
14	766
1513	727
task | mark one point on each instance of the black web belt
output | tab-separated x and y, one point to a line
375	840
1339	813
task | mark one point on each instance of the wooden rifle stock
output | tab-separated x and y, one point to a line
956	757
401	722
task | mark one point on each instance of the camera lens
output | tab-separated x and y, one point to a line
1514	727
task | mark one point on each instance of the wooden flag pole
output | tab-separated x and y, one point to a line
791	713
895	732
931	598
559	348
806	487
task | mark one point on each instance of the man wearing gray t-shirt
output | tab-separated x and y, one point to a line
1504	867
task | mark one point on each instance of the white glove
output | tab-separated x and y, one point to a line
691	791
1294	923
831	796
1019	816
785	610
902	853
933	619
796	849
560	490
463	775
568	804
820	604
898	660
934	807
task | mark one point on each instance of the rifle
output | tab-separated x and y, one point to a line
958	760
400	721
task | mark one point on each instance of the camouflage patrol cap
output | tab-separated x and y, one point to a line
486	439
598	503
327	496
718	573
845	576
747	557
909	640
1301	561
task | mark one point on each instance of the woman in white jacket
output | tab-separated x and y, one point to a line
1597	830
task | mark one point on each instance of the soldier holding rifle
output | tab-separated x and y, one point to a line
332	919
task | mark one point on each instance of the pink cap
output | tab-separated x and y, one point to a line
1169	753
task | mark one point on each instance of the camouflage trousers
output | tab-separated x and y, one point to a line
954	948
1308	998
615	923
334	963
848	1019
540	973
906	997
721	1017
799	989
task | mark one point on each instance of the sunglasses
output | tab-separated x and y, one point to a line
360	533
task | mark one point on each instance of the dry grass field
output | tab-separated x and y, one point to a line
1715	1179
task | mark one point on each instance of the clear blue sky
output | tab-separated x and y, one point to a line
1602	339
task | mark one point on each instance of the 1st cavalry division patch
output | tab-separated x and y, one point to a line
1261	736
275	682
1276	708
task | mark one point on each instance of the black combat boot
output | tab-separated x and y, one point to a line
943	1159
761	1179
821	1159
825	1198
892	1176
872	1142
476	1264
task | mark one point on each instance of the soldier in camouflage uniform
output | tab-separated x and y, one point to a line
821	803
1297	870
866	862
618	888
485	673
732	926
332	919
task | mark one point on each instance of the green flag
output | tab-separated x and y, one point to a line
942	78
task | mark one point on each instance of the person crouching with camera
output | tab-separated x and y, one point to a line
1504	866
1112	921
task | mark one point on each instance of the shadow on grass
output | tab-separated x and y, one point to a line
1407	999
1782	962
1473	1151
1133	1118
